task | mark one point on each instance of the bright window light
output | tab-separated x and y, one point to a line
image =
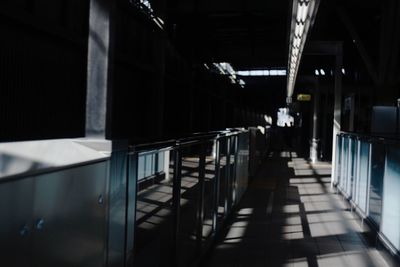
282	73
256	73
316	72
260	73
344	71
243	73
322	72
274	72
147	4
225	68
161	20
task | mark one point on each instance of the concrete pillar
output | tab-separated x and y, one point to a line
314	142
337	112
98	68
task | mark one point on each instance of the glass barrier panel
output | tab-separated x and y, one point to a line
350	167
344	167
356	171
376	186
390	225
141	166
189	204
222	180
209	193
230	162
154	237
235	162
338	159
160	166
363	180
149	165
242	165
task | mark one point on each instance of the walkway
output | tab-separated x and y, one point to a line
290	217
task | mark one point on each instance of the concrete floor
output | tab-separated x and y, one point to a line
290	217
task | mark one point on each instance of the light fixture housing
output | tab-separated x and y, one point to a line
303	17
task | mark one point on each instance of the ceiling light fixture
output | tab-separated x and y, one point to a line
304	12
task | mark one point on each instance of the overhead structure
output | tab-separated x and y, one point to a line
303	16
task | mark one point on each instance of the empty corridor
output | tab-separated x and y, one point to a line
290	216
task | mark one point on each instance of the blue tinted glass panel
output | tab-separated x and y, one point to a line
338	158
363	182
356	174
343	171
141	163
350	166
376	187
391	198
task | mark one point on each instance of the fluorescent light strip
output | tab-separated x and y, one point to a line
299	30
300	25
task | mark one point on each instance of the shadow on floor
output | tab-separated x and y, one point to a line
291	217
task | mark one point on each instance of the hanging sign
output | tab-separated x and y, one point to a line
303	97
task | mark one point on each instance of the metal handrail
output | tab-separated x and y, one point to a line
196	139
372	137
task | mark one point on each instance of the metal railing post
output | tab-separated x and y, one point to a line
234	189
200	208
216	186
176	203
131	204
227	177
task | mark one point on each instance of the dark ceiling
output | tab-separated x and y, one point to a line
249	34
246	33
254	34
367	30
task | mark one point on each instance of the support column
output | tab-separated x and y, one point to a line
336	49
337	112
98	68
314	143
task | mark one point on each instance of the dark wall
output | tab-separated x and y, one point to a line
159	94
43	51
155	93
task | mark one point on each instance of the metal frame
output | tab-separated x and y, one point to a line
230	141
345	171
108	198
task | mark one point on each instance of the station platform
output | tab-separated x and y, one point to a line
290	216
